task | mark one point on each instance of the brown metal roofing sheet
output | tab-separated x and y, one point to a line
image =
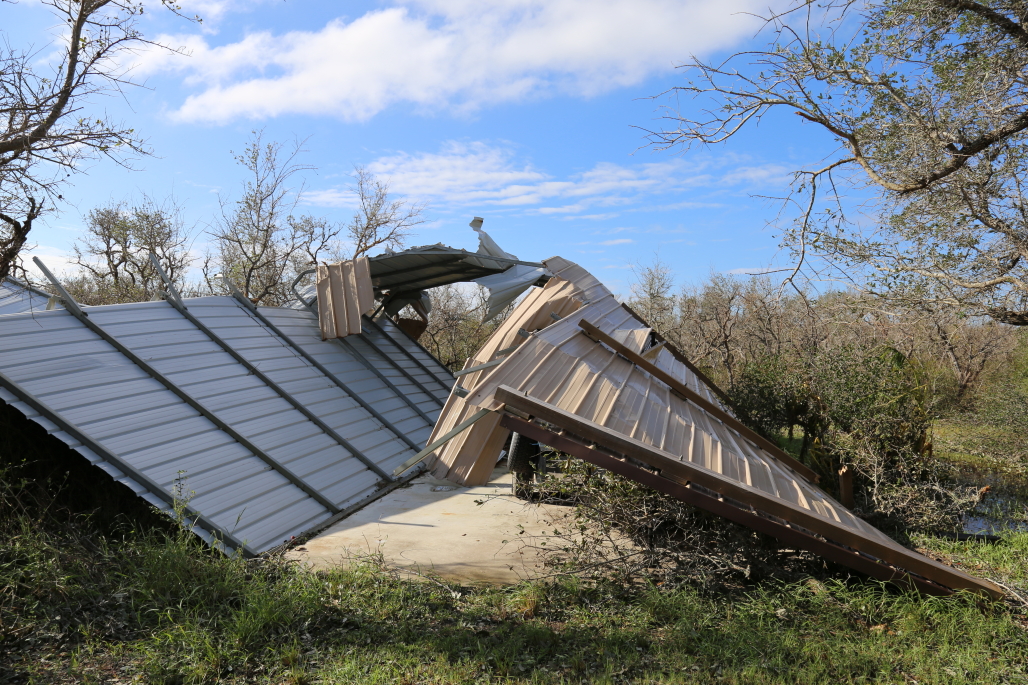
589	374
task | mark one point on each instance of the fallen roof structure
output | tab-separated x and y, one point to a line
576	370
259	430
240	414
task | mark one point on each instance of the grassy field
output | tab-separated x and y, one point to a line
158	608
98	601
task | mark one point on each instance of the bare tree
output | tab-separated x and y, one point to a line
653	297
47	133
379	220
928	102
114	254
258	243
456	329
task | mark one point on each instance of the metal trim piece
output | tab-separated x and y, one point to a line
473	369
108	456
74	309
454	432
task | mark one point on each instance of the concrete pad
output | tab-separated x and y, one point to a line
458	533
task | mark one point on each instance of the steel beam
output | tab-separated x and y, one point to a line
749	518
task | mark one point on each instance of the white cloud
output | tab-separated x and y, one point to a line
57	260
447	53
479	174
753	270
619	241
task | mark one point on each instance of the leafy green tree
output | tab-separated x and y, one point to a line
928	103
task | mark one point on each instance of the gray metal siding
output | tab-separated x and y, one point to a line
415	349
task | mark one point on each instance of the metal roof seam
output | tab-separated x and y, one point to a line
253	311
366	339
74	310
311	416
409	355
447	375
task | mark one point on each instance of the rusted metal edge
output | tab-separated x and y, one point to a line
683	471
692	396
823	548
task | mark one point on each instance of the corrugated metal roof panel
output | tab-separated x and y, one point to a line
90	385
430	266
17	297
588	375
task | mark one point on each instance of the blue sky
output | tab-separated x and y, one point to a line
523	112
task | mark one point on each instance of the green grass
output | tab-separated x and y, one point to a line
108	601
160	609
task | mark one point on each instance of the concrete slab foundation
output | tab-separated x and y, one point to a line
481	534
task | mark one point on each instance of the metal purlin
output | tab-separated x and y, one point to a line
127	469
414	359
73	308
252	308
377	350
175	301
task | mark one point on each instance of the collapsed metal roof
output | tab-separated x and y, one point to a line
265	431
243	413
575	369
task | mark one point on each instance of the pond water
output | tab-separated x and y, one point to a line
1004	507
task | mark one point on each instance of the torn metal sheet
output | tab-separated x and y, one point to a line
590	372
169	411
421	268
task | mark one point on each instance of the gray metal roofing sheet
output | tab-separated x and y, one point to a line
103	394
17	297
